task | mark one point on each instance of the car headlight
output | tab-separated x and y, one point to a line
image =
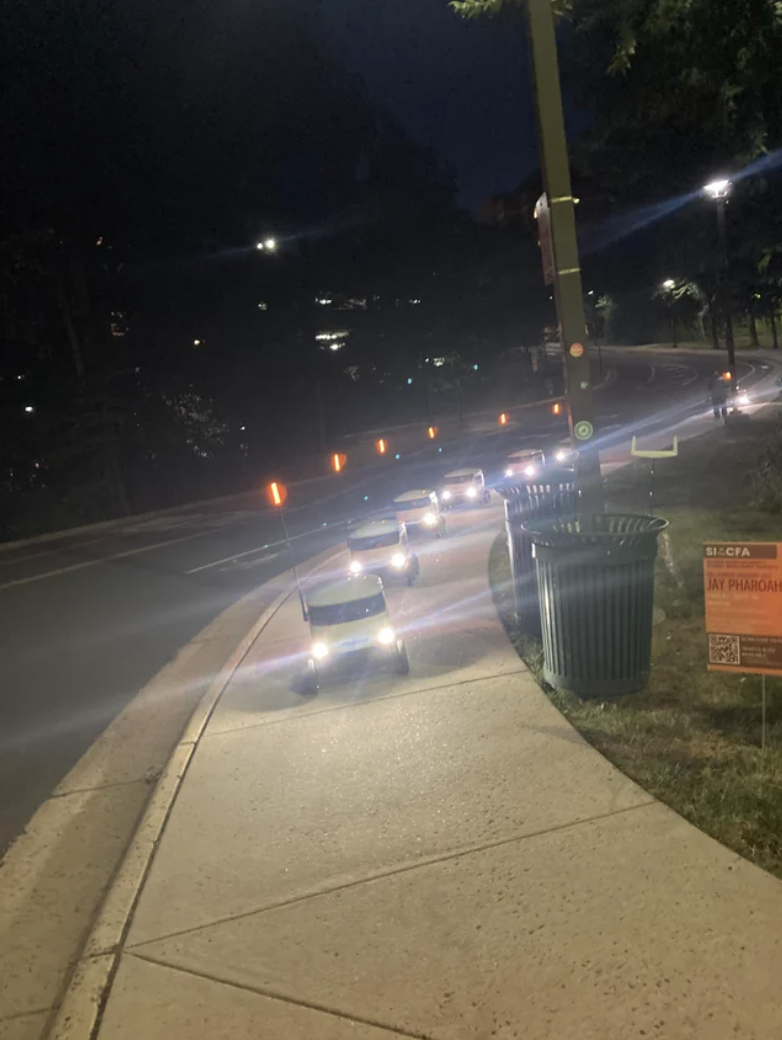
398	560
508	472
356	567
471	492
430	519
743	398
561	456
386	636
530	471
319	651
446	495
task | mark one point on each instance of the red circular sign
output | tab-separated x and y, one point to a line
577	350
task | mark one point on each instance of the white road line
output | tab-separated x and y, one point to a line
104	559
230	559
652	374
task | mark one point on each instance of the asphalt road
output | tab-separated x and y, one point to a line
86	621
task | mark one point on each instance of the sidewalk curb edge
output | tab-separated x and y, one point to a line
80	1012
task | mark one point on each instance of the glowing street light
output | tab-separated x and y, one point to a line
718	191
29	409
669	284
267	245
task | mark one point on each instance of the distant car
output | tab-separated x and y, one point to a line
527	463
348	619
464	486
563	455
382	547
420	510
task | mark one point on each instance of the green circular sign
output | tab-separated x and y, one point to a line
584	430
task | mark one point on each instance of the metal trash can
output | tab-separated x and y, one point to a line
596	587
552	495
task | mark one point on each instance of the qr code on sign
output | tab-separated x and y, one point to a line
724	650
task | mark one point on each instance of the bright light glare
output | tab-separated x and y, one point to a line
29	409
472	492
561	456
398	560
669	284
509	472
447	495
530	471
719	189
386	636
430	519
335	346
270	244
355	567
319	651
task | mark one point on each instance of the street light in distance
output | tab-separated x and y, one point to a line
719	188
669	284
718	191
267	245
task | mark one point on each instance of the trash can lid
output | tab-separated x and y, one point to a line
594	529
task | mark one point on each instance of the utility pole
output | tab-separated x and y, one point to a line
722	225
559	213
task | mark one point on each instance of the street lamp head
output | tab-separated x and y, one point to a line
719	189
270	244
669	284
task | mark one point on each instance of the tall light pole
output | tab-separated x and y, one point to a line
669	285
557	224
719	191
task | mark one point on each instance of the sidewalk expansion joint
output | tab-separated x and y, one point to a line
18	1015
300	715
380	875
271	995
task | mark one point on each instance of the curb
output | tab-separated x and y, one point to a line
81	1009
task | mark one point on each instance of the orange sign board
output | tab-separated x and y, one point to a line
743	586
577	350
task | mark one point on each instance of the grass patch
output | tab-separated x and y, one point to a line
692	738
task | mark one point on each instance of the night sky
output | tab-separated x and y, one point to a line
463	87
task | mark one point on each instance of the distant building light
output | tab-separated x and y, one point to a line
438	362
414	302
242	427
336	346
329	337
591	292
323	301
196	342
410	381
116	330
29	409
99	241
475	368
263	306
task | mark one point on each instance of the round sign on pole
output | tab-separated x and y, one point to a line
583	430
577	350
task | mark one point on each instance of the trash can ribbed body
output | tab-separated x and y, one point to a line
596	587
552	497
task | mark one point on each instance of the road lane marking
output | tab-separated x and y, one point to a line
237	556
104	559
652	374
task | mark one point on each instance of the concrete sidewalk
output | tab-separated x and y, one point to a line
435	856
